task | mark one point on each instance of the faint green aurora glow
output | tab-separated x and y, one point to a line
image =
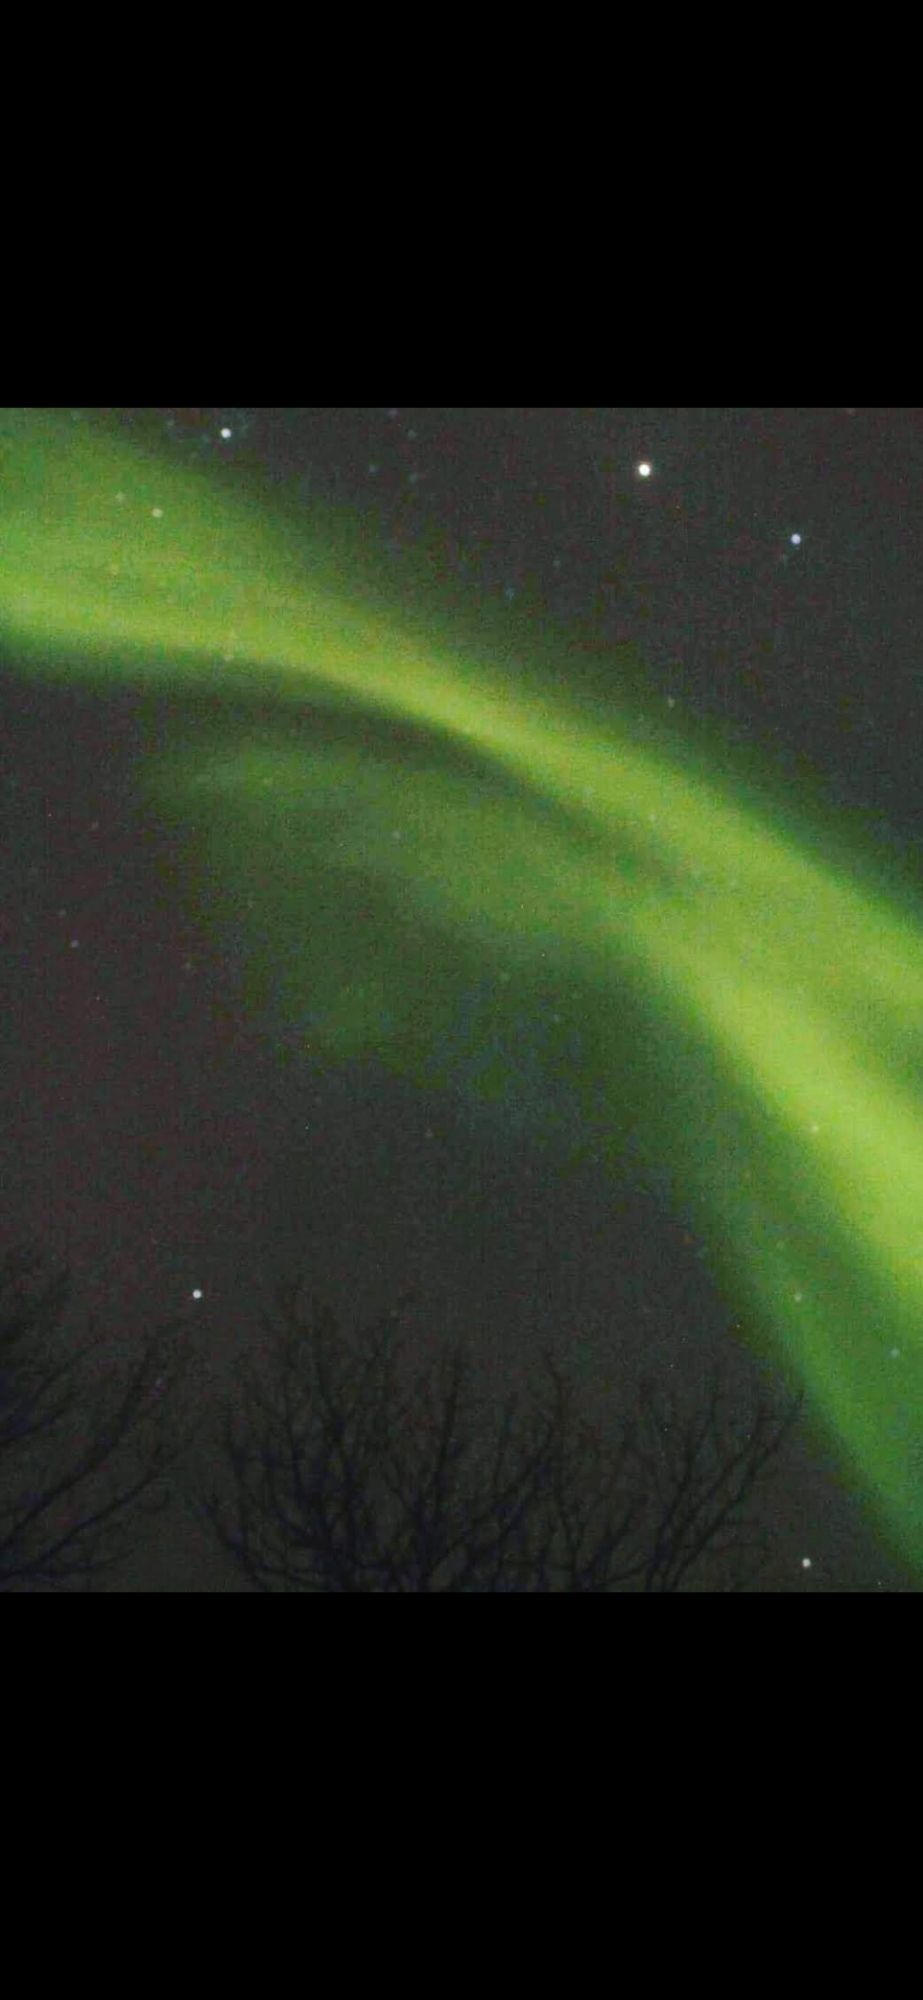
472	873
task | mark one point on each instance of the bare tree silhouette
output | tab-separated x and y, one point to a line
85	1446
347	1468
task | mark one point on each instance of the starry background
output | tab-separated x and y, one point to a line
767	570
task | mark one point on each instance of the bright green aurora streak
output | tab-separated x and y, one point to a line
437	863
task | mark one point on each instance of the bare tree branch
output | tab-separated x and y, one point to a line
349	1470
85	1449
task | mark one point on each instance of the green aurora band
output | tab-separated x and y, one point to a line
479	875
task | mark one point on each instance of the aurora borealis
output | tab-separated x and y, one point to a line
489	880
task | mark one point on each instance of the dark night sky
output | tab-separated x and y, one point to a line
149	1118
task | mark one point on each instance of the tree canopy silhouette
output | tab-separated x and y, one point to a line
86	1445
348	1467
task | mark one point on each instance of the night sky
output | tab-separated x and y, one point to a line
748	578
